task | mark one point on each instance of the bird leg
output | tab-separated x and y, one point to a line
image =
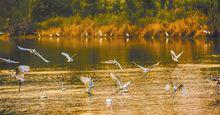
172	94
19	89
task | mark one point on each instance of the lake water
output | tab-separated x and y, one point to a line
200	59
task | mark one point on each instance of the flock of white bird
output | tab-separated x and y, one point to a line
20	71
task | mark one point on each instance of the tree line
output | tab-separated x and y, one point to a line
23	14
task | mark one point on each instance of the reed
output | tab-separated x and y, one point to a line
191	25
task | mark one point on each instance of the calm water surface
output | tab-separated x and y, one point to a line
200	59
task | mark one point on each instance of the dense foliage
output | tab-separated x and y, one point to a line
19	16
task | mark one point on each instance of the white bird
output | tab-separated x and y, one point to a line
113	62
69	59
206	31
8	61
174	56
127	34
145	70
19	74
175	88
121	87
1	33
86	33
166	33
88	82
34	52
58	34
100	32
109	101
38	34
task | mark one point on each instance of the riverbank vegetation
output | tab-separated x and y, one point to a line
112	18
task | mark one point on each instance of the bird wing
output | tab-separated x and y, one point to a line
24	68
24	49
85	80
2	59
167	87
66	55
179	55
173	54
155	65
181	87
117	80
128	83
40	56
109	62
140	66
119	65
10	61
73	55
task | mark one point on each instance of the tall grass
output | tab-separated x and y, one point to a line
177	24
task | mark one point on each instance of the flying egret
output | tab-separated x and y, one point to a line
88	82
8	61
174	56
121	87
69	59
145	70
175	88
34	52
19	74
114	62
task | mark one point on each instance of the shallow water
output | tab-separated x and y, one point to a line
146	96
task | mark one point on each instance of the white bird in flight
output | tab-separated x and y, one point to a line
69	59
19	74
88	82
8	61
175	88
34	52
114	62
174	56
145	70
121	87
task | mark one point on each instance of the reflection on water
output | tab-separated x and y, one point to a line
146	96
92	52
